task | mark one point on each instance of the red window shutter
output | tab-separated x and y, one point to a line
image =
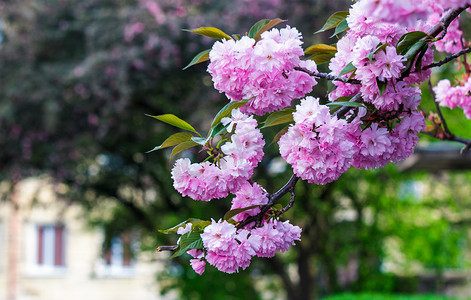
126	242
40	244
108	257
58	245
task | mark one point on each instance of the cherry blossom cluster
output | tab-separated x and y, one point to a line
229	249
316	146
262	71
319	145
458	96
379	144
209	180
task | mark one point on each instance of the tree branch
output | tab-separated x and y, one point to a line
167	248
344	110
445	21
448	135
437	106
433	32
290	204
328	76
287	188
447	59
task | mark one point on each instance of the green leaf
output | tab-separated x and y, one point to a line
381	86
344	103
256	27
262	26
198	224
218	129
279	117
321	58
333	21
407	40
378	48
175	121
348	68
234	212
173	140
267	26
320	48
340	28
199	58
277	207
411	54
188	241
183	146
279	134
211	32
227	110
199	140
418	63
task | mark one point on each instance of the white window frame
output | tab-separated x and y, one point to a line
46	268
116	267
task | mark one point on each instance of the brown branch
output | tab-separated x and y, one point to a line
433	32
290	204
447	59
167	248
445	21
344	110
287	188
448	135
439	111
328	76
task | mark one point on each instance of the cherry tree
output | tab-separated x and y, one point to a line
370	119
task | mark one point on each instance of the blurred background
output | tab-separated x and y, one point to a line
81	201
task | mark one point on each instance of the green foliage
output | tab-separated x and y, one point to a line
344	103
408	40
334	21
368	296
199	58
341	27
197	225
320	48
279	117
348	68
227	110
236	211
174	139
261	26
211	32
175	121
188	241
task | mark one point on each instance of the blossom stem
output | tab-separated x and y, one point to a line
290	204
167	248
287	188
328	76
447	59
448	136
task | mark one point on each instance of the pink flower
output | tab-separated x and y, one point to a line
316	145
263	71
387	64
219	237
373	148
248	195
198	265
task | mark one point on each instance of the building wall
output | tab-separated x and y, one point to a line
85	275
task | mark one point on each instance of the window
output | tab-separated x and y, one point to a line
117	260
46	250
50	246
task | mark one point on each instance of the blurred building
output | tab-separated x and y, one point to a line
47	252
